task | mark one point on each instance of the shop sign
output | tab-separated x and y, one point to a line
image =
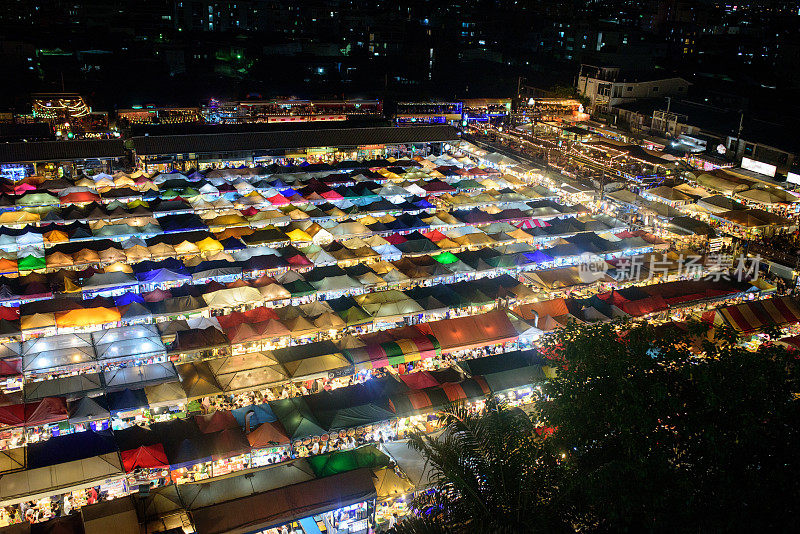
759	167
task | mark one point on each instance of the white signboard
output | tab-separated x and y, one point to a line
759	167
793	178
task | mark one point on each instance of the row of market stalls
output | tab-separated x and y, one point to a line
304	246
636	301
138	372
326	433
730	203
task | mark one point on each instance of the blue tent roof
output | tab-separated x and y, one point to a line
63	449
127	399
262	413
537	256
128	298
161	275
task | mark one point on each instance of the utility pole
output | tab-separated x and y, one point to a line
739	134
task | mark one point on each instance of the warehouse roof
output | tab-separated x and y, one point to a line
295	139
61	150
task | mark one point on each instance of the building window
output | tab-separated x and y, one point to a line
655	89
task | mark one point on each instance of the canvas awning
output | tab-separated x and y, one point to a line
298	501
467	332
394	352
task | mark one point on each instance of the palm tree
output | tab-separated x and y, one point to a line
490	473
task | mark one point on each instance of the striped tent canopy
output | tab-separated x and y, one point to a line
755	315
394	352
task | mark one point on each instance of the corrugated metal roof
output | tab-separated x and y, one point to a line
234	142
61	150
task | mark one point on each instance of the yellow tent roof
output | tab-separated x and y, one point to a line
37	321
16	217
161	250
209	245
119	267
185	247
89	316
299	235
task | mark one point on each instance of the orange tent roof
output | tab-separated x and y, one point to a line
88	316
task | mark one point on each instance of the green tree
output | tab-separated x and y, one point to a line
666	429
657	428
491	473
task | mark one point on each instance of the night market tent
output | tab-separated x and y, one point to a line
268	435
197	380
384	304
81	318
467	332
70	387
253	415
312	360
56	351
145	457
347	460
296	502
389	485
194	496
723	185
216	421
88	409
670	194
754	219
42	412
165	394
719	204
752	316
126	400
432	399
138	375
411	462
234	297
251	378
296	418
133	342
63	464
767	195
393	352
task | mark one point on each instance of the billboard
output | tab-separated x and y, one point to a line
759	167
793	178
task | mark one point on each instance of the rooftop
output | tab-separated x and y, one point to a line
61	150
233	142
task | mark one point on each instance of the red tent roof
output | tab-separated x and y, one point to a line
612	297
8	313
47	410
79	198
419	380
395	239
644	306
11	367
215	422
146	456
278	200
435	235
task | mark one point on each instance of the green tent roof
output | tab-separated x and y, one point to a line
296	417
354	315
337	462
299	288
29	263
445	258
469	184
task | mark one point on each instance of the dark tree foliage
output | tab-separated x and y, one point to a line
656	429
